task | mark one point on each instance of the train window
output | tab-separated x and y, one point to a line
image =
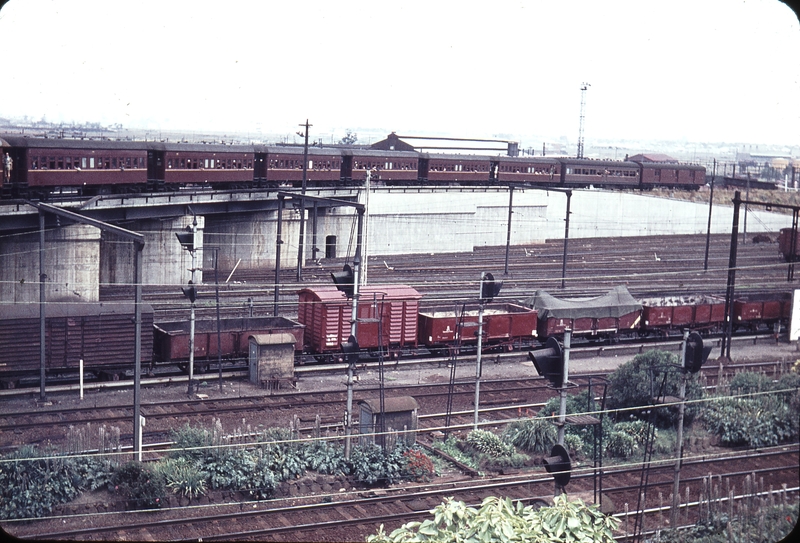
169	163
68	163
128	162
107	163
91	162
250	164
205	163
34	163
114	163
183	163
51	162
310	164
60	162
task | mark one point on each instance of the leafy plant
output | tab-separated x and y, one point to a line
489	444
138	483
33	482
532	435
325	457
418	466
504	521
451	449
183	476
191	442
370	465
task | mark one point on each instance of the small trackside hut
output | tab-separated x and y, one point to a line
272	360
400	420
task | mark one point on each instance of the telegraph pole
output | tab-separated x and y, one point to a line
303	203
584	87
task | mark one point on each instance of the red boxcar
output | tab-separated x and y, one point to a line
506	324
100	334
171	339
326	313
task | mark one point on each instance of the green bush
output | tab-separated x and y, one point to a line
621	445
755	422
191	442
140	485
653	373
748	382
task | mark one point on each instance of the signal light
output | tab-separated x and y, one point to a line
344	280
696	354
350	349
549	362
489	287
559	464
186	240
190	292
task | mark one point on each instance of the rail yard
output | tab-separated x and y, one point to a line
333	507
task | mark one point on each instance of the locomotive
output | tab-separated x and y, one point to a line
391	321
39	167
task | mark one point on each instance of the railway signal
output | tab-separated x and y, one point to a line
186	239
345	280
350	350
190	292
549	362
489	287
696	354
559	464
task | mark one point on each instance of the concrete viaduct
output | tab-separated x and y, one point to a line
243	226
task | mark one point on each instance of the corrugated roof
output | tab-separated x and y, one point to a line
390	292
391	405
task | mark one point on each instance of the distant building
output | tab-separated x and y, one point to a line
653	157
392	143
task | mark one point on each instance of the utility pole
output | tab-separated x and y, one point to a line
303	202
584	87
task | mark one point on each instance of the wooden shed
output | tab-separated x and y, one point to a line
400	416
272	359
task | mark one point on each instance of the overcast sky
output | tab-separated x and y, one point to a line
695	70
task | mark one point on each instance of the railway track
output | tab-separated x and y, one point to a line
648	266
501	399
351	516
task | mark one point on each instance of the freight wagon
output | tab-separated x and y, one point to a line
101	334
171	339
509	326
387	317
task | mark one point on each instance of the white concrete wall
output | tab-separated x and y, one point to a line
401	223
72	255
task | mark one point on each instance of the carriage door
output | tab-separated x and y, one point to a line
260	170
346	173
422	172
494	168
156	170
330	246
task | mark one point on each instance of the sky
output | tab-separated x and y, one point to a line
684	70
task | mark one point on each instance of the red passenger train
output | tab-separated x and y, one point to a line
38	167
